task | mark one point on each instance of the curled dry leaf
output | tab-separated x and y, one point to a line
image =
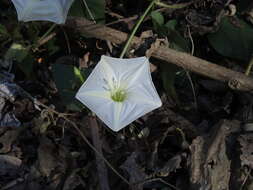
247	149
210	162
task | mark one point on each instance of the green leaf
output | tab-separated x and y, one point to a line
52	47
157	17
177	41
96	7
158	22
168	72
3	31
16	34
16	52
77	9
233	41
67	84
78	74
171	24
32	32
19	53
26	66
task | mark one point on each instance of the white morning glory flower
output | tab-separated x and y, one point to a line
47	10
120	91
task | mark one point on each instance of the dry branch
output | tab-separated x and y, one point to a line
101	167
235	80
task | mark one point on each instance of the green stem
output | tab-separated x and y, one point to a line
136	28
247	72
182	133
175	6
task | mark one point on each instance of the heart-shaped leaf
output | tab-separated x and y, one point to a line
233	41
68	84
17	52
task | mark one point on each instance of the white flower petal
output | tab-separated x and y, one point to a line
47	10
100	79
126	70
132	111
128	75
145	94
98	94
103	107
117	113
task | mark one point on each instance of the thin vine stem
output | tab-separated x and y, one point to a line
175	6
136	28
62	115
47	32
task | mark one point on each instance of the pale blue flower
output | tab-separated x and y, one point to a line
46	10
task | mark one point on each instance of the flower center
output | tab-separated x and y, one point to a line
118	95
117	90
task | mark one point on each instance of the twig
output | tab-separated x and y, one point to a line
101	167
236	80
45	40
248	70
157	179
13	183
245	179
228	2
126	20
